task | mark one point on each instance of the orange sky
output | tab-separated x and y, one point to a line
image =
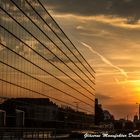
111	45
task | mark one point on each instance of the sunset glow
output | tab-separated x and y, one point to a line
110	41
106	33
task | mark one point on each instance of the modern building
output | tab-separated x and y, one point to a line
40	113
38	60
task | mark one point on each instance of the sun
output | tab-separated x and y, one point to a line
135	86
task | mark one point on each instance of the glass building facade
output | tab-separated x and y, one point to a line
38	60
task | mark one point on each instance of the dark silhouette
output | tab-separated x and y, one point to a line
41	112
99	115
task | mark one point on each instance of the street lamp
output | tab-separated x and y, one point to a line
139	110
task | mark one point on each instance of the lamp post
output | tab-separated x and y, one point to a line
139	110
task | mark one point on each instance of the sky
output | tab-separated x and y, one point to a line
107	33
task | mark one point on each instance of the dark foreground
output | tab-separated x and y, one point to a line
63	134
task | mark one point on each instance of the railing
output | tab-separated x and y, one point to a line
26	133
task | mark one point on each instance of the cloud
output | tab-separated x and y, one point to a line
132	82
121	8
105	60
19	47
123	22
123	110
102	97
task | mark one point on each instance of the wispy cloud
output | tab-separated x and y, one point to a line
135	82
104	59
103	96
